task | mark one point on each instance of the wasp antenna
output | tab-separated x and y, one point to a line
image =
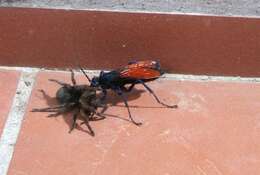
82	70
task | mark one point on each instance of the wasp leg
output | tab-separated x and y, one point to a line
129	88
59	82
101	73
157	99
121	94
73	77
86	119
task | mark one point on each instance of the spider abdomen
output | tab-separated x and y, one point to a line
63	95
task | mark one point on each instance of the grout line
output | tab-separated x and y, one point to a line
14	120
207	78
90	71
178	77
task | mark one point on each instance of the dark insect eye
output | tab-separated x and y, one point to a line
94	82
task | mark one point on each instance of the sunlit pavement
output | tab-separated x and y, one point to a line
214	130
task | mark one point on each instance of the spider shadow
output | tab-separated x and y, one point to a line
67	116
112	99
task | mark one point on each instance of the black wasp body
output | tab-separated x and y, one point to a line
138	72
111	80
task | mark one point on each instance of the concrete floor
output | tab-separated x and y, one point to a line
215	130
215	7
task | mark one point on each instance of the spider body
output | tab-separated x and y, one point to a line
81	99
68	94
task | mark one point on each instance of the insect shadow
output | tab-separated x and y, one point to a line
111	101
52	101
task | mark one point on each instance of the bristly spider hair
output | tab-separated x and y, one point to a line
82	99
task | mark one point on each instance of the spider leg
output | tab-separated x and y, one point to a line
95	118
103	109
75	116
54	108
92	118
104	94
100	115
121	94
49	109
129	88
56	114
91	115
73	77
98	103
86	119
65	109
59	82
154	95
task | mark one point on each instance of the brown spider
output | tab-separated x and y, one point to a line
82	99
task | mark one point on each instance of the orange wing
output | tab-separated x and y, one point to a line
140	73
144	64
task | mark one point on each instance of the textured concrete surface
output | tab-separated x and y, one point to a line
8	84
15	117
216	7
215	130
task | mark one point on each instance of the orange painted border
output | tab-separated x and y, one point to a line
187	44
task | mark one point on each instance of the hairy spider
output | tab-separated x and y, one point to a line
82	99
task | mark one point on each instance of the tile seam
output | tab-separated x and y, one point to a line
167	76
15	117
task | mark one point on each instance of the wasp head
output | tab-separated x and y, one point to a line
95	82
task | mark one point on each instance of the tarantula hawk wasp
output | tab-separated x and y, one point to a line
136	72
82	99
